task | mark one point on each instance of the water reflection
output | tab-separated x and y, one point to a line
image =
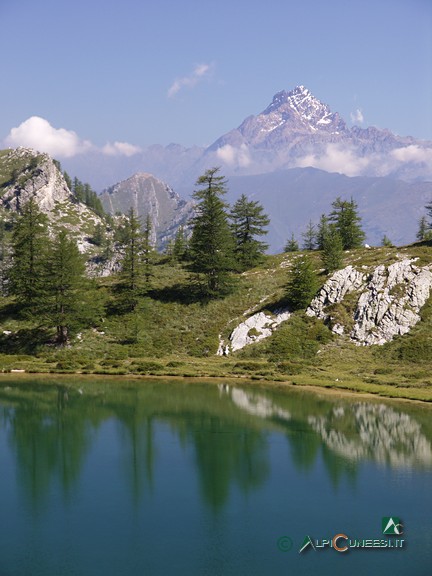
52	431
373	431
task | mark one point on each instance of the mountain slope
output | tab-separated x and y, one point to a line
298	130
294	197
149	196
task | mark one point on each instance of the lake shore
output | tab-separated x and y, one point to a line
341	388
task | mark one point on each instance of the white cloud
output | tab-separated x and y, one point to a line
336	159
413	153
357	116
120	149
37	133
234	156
198	73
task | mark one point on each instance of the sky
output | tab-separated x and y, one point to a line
120	75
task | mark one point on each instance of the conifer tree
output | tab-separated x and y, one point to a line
347	222
309	237
302	283
211	245
323	231
248	221
147	249
131	279
332	251
180	245
385	241
292	245
68	303
5	257
423	228
29	250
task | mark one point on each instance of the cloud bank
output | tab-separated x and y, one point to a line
234	156
120	149
39	134
199	72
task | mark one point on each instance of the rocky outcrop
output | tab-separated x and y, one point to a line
38	178
388	304
27	174
335	289
255	328
391	303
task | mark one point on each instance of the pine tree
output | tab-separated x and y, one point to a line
147	250
131	280
385	241
347	222
302	284
29	250
309	237
332	252
69	303
180	245
211	245
5	257
248	221
423	229
292	245
323	231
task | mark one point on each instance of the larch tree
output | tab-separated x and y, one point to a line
130	284
29	252
292	244
248	222
309	237
211	244
69	302
302	283
332	250
347	222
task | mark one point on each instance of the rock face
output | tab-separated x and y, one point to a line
26	174
388	304
255	328
149	196
36	176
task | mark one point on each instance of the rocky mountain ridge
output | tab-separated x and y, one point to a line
26	174
148	195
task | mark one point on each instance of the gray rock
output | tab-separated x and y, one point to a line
389	302
255	328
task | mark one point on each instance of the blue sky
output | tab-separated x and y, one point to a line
131	73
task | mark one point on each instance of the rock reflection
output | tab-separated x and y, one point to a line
373	431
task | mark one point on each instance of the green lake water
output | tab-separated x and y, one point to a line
136	478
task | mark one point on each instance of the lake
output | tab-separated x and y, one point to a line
139	477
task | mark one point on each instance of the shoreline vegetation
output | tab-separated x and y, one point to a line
351	388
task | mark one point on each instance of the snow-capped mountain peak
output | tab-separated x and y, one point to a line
299	107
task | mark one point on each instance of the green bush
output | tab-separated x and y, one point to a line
145	367
246	366
289	368
298	339
416	349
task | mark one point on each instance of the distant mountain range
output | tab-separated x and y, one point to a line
271	157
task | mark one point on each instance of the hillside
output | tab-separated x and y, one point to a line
174	333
